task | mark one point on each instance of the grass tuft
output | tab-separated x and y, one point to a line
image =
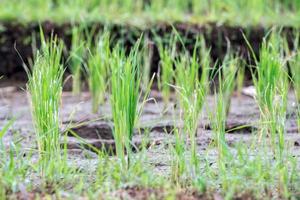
218	116
76	58
125	95
272	86
97	68
192	91
166	71
45	89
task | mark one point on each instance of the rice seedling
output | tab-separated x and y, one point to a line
266	169
295	72
192	91
125	96
226	85
45	88
249	13
271	86
240	77
76	58
7	167
146	62
229	71
166	74
178	166
111	175
97	69
272	89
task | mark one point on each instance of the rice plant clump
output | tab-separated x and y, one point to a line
295	71
76	58
192	91
223	93
166	75
8	169
271	86
45	89
125	94
97	68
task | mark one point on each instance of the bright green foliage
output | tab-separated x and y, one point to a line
125	94
294	64
192	89
178	166
268	73
271	86
97	68
146	62
137	12
227	85
218	116
8	169
240	77
295	69
272	89
45	89
166	76
76	57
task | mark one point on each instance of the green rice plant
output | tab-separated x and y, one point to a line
295	72
97	69
76	58
271	87
125	96
146	62
268	73
235	12
271	84
192	91
45	88
178	166
226	84
240	77
7	168
166	74
280	112
229	71
111	176
253	163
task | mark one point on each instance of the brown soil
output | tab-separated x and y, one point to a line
158	124
76	115
16	40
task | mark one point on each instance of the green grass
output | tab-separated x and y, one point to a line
295	69
192	91
76	58
141	13
223	92
240	77
178	154
147	56
261	168
45	88
271	86
166	71
97	68
8	169
295	75
125	95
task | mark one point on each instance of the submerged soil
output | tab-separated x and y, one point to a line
157	122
